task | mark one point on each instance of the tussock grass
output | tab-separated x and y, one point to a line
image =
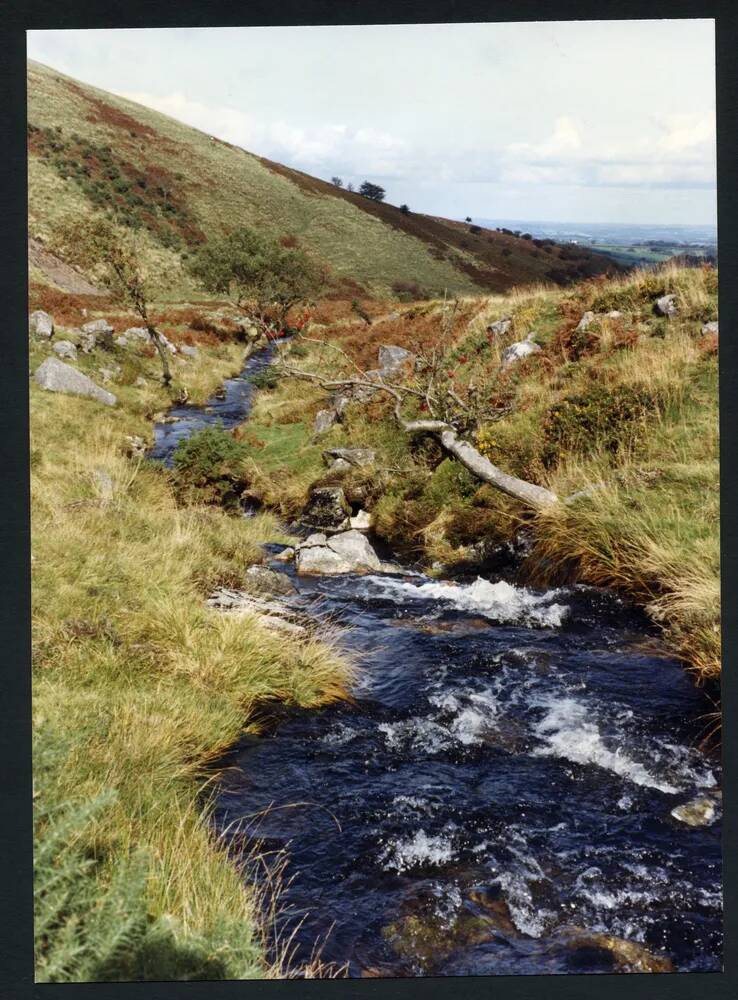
138	687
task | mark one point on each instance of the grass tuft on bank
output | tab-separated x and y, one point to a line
138	690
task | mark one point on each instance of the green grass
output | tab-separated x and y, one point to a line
138	689
631	408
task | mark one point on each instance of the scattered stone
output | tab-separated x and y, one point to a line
392	358
358	457
339	404
348	552
135	446
102	332
110	374
56	376
700	811
500	327
711	327
585	321
121	341
65	349
136	333
103	484
272	614
87	342
140	382
327	509
286	555
324	420
362	521
666	306
519	350
614	314
40	324
188	351
262	580
340	466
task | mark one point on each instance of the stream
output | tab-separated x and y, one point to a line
498	793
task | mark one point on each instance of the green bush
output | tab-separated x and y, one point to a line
267	378
209	467
600	418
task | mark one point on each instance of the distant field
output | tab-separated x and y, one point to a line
638	254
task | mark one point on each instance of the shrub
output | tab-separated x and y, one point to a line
267	378
209	467
600	418
372	191
404	209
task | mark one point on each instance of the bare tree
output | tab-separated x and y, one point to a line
337	181
451	417
115	260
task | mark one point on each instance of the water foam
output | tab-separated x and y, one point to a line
500	602
418	850
568	731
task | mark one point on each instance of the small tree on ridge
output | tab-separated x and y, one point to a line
372	191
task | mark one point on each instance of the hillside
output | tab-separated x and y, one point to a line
88	148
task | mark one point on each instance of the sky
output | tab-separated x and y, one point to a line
579	121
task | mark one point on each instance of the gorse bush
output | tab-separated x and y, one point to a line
210	467
268	378
598	419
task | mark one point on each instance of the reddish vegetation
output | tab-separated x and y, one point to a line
104	113
66	308
496	272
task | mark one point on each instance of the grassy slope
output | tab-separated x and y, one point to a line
215	184
137	688
651	526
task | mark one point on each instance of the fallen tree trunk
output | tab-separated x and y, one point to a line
530	494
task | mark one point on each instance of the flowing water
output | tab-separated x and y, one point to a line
502	783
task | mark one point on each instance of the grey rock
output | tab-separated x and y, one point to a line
324	420
339	404
340	465
136	333
56	376
519	350
40	324
188	351
65	349
121	341
586	320
135	446
349	552
110	374
666	306
500	327
286	555
700	811
614	314
87	342
103	484
272	614
140	382
362	521
358	457
102	332
711	327
327	508
392	358
262	580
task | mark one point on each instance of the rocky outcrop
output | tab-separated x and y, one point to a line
324	420
56	376
519	350
666	306
274	615
361	521
102	331
41	325
348	552
326	509
135	446
65	349
586	320
392	358
265	581
711	327
357	457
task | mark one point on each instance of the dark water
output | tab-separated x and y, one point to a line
506	773
230	407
